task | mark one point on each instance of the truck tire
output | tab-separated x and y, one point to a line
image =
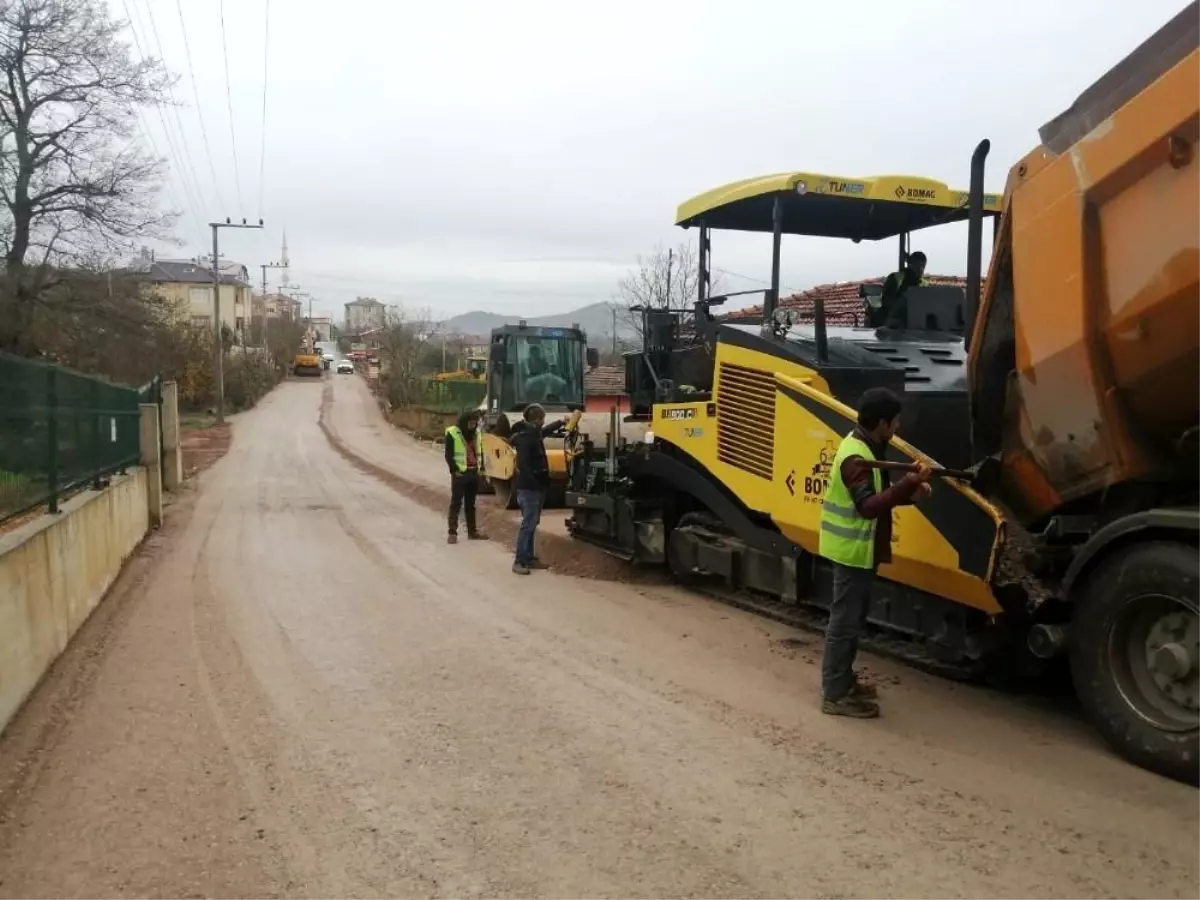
1134	629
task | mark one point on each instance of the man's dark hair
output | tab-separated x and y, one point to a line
533	412
917	256
877	405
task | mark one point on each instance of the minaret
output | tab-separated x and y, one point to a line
284	259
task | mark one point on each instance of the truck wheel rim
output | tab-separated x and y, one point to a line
1154	656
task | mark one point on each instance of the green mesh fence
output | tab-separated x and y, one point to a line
60	430
453	396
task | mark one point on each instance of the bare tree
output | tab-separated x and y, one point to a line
665	279
404	353
74	182
284	337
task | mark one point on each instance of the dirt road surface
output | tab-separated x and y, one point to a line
298	689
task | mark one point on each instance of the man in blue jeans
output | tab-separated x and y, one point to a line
531	481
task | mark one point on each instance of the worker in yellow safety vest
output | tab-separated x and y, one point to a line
856	537
891	309
464	456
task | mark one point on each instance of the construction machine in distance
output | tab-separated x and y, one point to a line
1076	411
532	364
475	369
307	362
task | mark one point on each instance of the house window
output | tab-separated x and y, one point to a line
200	297
201	321
241	323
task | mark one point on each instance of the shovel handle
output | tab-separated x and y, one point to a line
912	467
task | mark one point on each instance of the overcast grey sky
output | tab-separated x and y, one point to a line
516	157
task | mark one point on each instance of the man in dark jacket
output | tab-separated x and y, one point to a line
531	481
464	456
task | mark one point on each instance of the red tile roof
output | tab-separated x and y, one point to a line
843	306
604	381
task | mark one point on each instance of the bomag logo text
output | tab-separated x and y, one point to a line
920	194
816	482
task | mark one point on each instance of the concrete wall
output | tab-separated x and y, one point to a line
53	572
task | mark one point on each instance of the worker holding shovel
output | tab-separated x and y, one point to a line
856	536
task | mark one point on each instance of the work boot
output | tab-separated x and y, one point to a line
477	536
854	707
538	564
452	538
862	689
519	569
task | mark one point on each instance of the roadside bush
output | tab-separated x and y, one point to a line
248	377
111	324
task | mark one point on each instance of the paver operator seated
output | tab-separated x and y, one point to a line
892	306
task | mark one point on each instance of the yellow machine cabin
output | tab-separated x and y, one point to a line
532	364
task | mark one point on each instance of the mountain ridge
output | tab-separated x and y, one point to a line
596	319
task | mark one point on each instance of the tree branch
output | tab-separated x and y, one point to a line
72	180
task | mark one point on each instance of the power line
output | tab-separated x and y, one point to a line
170	185
191	189
782	287
262	157
187	153
190	204
196	95
229	102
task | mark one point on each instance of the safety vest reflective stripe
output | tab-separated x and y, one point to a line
853	534
455	435
846	511
900	285
846	537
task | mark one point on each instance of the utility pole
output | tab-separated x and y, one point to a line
614	333
264	267
218	343
312	337
670	265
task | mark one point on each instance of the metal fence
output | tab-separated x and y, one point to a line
452	396
60	430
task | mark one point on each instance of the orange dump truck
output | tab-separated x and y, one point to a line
1085	390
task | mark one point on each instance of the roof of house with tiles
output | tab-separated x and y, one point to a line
604	381
843	305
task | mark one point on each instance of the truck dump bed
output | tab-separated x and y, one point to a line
1160	53
1086	359
1094	296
